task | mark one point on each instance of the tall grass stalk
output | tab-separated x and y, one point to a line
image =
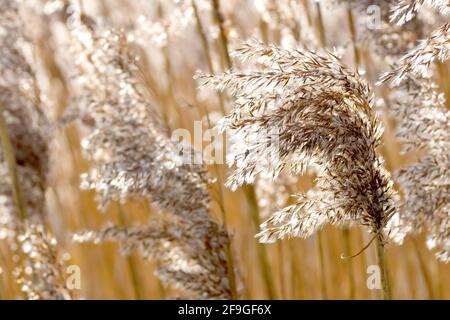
320	236
424	270
248	190
207	52
220	201
382	263
261	249
10	158
349	262
132	268
223	38
323	274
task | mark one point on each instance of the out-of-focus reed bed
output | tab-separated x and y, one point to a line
95	189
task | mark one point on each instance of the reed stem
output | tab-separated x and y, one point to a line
323	275
262	253
305	4
223	39
348	252
207	51
382	263
281	262
424	270
320	241
445	81
321	26
8	152
220	201
351	25
138	290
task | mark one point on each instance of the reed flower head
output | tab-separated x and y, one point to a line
26	124
374	28
418	60
190	255
405	10
39	273
42	275
424	123
323	116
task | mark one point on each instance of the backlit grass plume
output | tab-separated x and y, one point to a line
405	10
374	29
133	156
24	166
319	114
418	60
424	123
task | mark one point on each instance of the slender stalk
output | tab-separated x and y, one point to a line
445	81
410	269
170	94
2	271
8	152
436	274
207	51
248	190
297	280
424	270
308	11
323	284
321	26
220	201
223	39
138	291
349	262
296	26
161	288
261	249
281	261
201	33
382	263
351	24
264	29
230	260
